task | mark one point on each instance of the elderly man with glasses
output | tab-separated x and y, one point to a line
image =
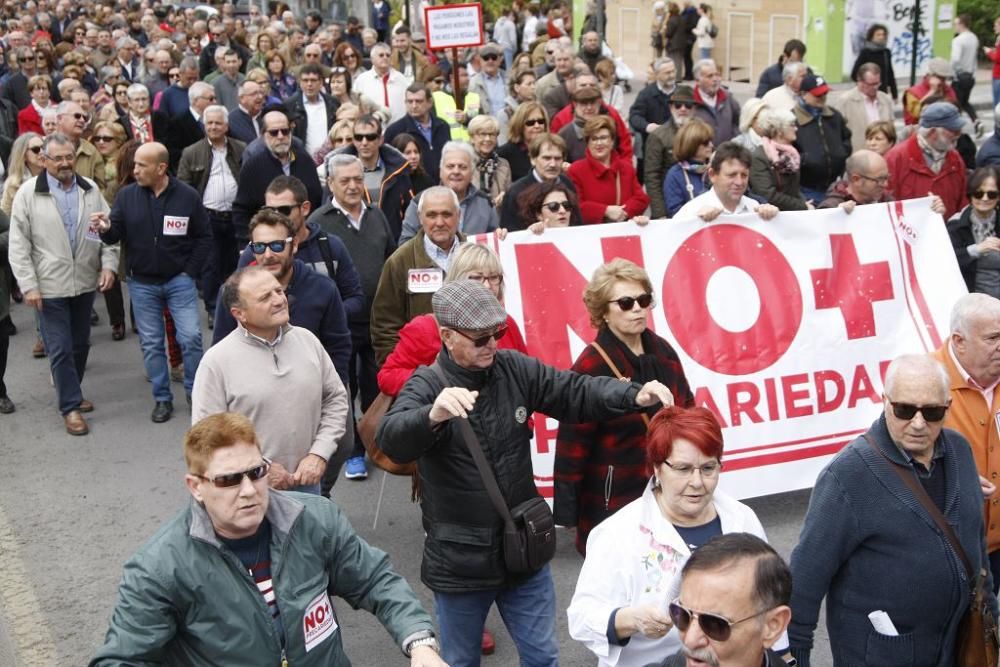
255	568
894	533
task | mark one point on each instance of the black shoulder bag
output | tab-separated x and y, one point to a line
529	536
976	644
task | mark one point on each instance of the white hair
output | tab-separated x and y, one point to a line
772	121
437	190
339	160
459	147
197	89
136	88
792	69
971	307
216	108
702	64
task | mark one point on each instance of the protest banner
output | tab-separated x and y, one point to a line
785	328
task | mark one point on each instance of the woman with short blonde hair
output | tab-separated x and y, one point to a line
492	175
529	121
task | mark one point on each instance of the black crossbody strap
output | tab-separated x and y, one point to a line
906	474
472	442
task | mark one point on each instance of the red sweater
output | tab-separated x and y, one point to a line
624	142
911	178
995	57
29	120
419	344
596	186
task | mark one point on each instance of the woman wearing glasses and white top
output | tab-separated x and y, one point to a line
634	559
600	467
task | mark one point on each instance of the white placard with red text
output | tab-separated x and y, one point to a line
454	26
784	327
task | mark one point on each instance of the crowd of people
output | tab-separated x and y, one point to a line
310	185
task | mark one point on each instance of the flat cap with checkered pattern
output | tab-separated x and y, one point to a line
468	305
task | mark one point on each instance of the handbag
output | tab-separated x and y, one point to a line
368	426
976	644
529	534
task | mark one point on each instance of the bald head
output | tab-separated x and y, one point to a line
151	166
867	176
917	370
864	161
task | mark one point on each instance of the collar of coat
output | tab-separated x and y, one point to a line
42	183
803	117
282	512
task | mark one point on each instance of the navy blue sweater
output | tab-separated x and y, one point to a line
314	304
867	544
344	272
161	236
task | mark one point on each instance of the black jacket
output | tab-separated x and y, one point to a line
258	170
161	126
241	126
430	156
960	232
770	79
510	208
152	256
183	131
824	142
769	659
297	112
651	105
396	192
463	551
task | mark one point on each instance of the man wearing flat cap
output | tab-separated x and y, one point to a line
464	560
586	105
659	148
490	83
936	85
927	162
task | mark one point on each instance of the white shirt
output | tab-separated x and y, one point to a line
220	191
370	84
355	222
709	199
316	127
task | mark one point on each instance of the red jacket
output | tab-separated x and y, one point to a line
419	344
596	186
995	57
913	95
911	178
29	120
624	142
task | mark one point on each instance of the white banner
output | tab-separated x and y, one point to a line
784	328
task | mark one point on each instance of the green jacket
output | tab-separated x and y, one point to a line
185	599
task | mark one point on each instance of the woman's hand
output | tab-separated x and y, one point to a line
501	233
641	220
498	200
537	228
647	620
615	213
992	244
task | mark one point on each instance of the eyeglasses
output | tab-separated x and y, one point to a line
626	303
174	75
231	479
285	210
35	149
338	70
351	56
439	82
260	247
907	411
490	56
483	340
373	136
881	180
494	280
985	194
60	159
533	122
279	132
717	628
102	138
79	116
684	470
682	105
554	206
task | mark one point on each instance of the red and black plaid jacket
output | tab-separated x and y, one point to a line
601	467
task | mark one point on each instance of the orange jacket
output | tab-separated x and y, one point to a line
970	417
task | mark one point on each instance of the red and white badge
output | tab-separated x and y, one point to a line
175	225
93	232
318	623
424	281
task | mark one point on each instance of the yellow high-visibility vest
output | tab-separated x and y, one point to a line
444	107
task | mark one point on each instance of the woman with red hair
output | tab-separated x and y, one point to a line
633	558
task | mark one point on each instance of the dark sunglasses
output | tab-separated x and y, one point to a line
907	411
101	138
985	194
280	132
490	56
373	136
532	122
80	116
285	210
439	82
626	303
554	206
232	479
715	627
483	340
35	149
686	105
260	247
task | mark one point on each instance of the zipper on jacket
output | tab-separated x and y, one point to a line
607	486
284	660
262	604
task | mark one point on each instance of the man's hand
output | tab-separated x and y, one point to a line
652	393
102	221
988	488
647	620
937	204
498	200
309	471
847	206
106	281
615	213
279	478
452	402
425	656
992	244
768	211
709	213
651	126
33	298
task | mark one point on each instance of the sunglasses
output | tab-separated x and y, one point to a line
483	340
373	136
626	303
439	82
260	247
80	116
338	70
682	105
717	628
532	122
554	206
279	132
232	479
490	56
985	194
35	149
102	138
285	210
907	411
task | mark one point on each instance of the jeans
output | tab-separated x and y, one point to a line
705	54
65	326
222	261
996	94
528	611
180	296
